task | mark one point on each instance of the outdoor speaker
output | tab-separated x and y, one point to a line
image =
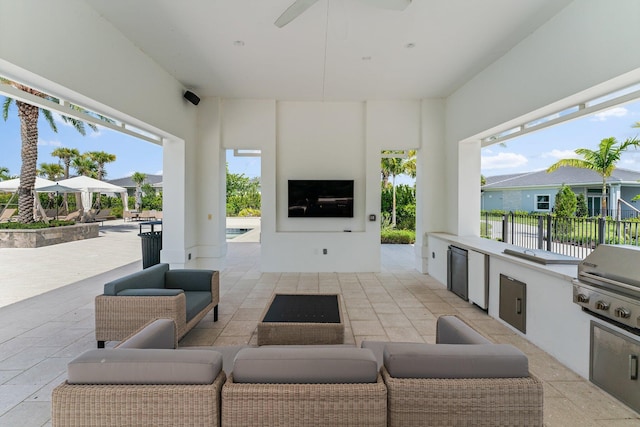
192	97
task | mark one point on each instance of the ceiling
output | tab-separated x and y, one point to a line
336	50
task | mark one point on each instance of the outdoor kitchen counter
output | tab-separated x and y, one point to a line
496	249
554	322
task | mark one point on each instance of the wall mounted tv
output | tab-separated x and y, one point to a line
321	198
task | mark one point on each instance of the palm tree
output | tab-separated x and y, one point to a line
66	155
53	172
100	158
391	167
28	115
4	173
603	160
139	179
85	166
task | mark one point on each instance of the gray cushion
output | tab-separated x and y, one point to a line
277	365
452	330
150	292
377	347
151	277
228	354
134	366
161	333
189	279
455	361
196	302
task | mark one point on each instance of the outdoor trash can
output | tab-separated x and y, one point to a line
151	243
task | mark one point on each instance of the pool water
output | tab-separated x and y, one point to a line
235	232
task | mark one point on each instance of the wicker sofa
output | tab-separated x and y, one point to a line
128	303
304	386
463	379
131	385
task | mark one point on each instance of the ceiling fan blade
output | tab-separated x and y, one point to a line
390	4
293	11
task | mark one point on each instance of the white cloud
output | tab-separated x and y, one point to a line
503	161
43	143
561	154
613	112
158	172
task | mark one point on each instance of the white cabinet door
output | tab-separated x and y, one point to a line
478	283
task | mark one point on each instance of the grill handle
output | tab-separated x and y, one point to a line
609	281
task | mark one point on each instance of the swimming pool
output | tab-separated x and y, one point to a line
232	233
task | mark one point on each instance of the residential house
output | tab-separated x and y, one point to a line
536	191
154	180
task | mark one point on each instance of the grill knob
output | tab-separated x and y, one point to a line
582	298
622	312
601	305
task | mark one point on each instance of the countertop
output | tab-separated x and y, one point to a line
496	249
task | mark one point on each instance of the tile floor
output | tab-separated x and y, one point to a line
41	334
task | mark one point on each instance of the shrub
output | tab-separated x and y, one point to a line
398	236
34	225
249	212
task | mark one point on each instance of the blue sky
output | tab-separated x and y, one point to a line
539	150
531	152
132	154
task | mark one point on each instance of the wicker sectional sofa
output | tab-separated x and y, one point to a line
462	380
128	303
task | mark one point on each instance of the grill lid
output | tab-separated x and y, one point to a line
615	267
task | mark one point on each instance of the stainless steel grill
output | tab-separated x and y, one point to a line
608	285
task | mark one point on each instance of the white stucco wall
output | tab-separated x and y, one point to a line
316	140
66	48
588	49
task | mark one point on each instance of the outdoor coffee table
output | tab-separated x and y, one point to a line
302	319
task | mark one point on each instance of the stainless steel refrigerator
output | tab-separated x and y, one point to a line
457	272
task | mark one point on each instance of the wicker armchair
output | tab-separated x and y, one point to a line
128	303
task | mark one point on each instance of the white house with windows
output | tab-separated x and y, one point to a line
536	191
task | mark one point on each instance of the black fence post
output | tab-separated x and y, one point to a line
549	219
505	228
540	232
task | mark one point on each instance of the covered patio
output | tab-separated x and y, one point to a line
41	334
320	98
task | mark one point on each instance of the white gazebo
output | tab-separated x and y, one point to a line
87	186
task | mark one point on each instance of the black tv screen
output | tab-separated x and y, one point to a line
321	198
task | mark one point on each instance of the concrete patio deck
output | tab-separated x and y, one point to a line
47	318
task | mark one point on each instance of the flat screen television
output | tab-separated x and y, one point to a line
321	198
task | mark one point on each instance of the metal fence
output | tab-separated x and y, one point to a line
568	236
